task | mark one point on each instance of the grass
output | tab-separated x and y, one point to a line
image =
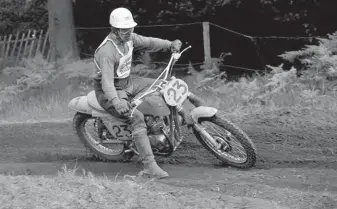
87	191
36	91
51	107
256	100
80	189
77	188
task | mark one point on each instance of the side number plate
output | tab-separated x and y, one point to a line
119	129
175	92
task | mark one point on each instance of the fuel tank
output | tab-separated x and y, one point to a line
154	104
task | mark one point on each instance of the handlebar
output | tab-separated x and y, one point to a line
174	57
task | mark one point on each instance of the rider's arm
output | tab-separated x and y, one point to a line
106	61
150	44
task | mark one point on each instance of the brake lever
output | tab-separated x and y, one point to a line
177	55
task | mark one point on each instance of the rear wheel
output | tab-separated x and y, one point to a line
230	144
85	129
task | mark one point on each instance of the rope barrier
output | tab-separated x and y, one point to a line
265	37
241	68
193	64
232	31
142	26
252	38
213	24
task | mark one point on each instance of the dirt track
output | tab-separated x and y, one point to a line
295	168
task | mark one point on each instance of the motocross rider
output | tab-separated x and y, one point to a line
114	86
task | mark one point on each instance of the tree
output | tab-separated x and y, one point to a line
62	37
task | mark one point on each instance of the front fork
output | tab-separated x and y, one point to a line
178	117
198	102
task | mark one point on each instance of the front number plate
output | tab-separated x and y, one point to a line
175	92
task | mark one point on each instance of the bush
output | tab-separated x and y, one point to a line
318	62
20	15
38	81
280	88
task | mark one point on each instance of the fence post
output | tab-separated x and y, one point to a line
8	47
207	45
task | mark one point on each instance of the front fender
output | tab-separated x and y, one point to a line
202	112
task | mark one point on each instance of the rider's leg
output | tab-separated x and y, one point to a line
143	146
141	84
139	132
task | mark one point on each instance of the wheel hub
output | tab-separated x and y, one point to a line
223	143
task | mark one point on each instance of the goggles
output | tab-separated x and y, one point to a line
125	31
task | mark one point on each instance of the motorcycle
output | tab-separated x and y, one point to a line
164	114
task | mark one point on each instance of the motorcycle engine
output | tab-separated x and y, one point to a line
155	126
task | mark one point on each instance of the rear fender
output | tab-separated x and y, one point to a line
98	113
80	104
202	112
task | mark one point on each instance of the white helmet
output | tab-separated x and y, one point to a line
122	18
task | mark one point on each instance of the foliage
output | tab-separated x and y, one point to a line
260	93
290	11
18	15
213	77
280	87
318	62
276	89
177	10
37	75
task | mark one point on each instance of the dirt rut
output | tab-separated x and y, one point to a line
296	168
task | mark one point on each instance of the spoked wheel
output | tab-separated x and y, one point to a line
226	141
84	126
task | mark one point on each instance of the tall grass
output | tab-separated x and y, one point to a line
38	90
41	92
74	188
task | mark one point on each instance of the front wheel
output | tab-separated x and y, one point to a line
230	144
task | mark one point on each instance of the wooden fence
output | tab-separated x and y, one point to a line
13	48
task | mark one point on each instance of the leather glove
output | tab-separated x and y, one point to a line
175	46
122	106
